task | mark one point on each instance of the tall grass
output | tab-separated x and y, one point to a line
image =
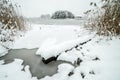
105	19
10	22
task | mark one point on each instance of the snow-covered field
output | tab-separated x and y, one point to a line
44	33
99	58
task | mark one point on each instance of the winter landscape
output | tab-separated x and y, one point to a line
61	46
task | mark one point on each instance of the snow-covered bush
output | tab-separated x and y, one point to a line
106	18
11	24
62	15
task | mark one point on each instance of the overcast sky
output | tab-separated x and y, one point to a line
34	8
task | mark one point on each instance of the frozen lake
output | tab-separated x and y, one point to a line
37	67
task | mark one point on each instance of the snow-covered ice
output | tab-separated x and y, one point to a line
39	33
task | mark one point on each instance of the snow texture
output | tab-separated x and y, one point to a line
54	40
14	71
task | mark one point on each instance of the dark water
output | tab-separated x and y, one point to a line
37	67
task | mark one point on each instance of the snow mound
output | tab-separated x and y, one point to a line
65	67
49	48
70	56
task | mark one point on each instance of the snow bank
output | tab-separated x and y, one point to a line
13	71
3	51
49	48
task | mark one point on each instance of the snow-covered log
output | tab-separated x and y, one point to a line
51	51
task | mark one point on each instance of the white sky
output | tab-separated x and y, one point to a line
34	8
